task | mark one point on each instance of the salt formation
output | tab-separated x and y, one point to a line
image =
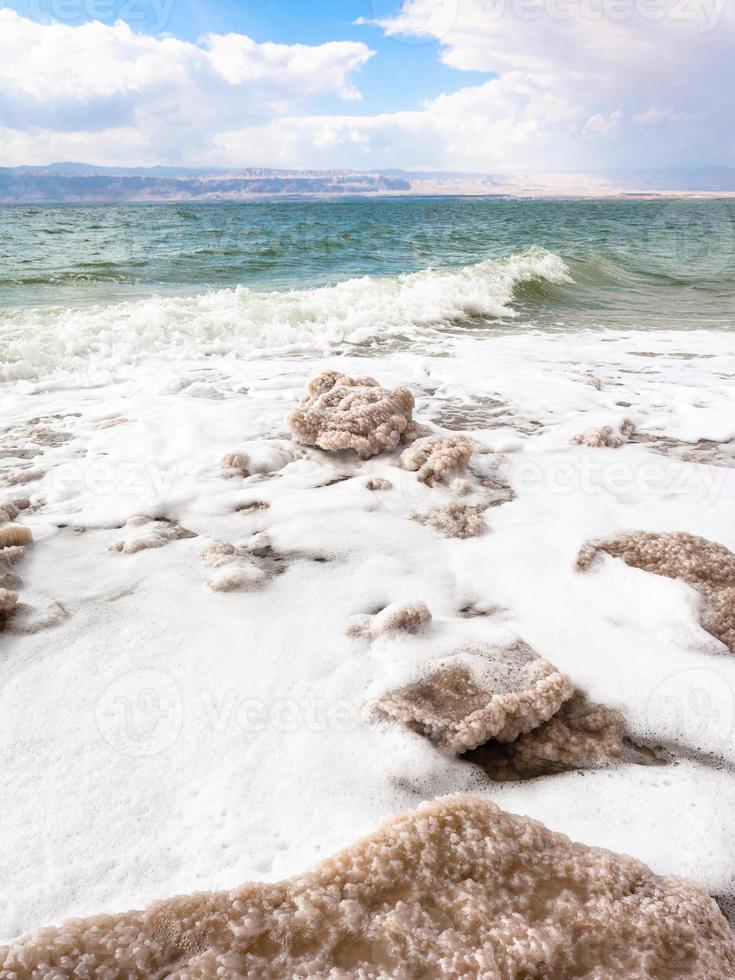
263	457
235	464
231	568
23	476
378	483
337	412
462	488
155	534
437	457
480	693
457	889
706	565
708	452
397	617
8	601
454	520
13	541
606	437
580	735
15	535
11	508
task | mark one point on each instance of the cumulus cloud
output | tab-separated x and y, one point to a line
579	84
597	85
107	91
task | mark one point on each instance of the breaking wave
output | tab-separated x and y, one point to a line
246	323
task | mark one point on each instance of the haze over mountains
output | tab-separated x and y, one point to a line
81	183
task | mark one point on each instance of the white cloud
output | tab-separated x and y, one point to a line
586	91
579	85
106	91
610	66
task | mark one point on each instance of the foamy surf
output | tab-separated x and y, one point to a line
244	323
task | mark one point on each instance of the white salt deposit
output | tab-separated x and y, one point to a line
168	737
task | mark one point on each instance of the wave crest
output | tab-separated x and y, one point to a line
248	323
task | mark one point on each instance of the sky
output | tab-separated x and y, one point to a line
491	86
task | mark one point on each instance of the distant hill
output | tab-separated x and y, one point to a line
83	183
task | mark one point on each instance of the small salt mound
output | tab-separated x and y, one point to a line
13	541
235	464
337	412
458	888
15	535
378	483
153	534
231	568
706	565
397	617
453	520
10	555
8	601
480	693
437	457
263	457
606	437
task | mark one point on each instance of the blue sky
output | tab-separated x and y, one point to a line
498	86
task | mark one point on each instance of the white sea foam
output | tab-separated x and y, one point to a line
200	739
243	322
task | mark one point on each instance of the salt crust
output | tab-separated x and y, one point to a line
706	565
606	437
396	617
581	735
458	889
13	541
453	520
152	534
480	693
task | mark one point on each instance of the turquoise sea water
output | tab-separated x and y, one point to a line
260	267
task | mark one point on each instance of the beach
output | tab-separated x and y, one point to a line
172	724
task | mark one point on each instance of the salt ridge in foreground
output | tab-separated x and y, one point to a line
457	889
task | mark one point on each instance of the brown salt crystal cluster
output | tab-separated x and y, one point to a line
235	464
378	483
480	693
453	520
230	569
509	711
149	533
437	457
606	437
457	889
706	565
270	456
13	541
395	618
337	412
580	735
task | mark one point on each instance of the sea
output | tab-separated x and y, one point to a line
100	285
